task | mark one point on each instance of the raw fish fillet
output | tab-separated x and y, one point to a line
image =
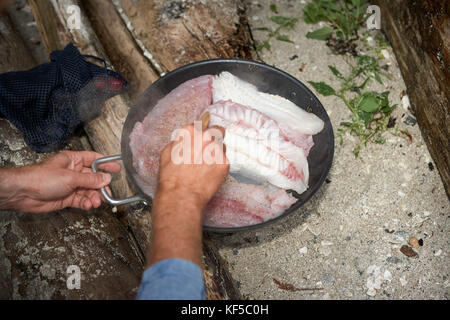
257	149
238	205
235	204
181	106
228	87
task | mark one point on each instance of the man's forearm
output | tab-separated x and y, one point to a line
12	188
177	227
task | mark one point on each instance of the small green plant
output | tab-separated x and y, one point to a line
379	43
345	17
370	110
283	24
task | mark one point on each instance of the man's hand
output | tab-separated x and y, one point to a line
182	193
64	180
196	182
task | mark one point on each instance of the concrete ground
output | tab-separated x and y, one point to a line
345	242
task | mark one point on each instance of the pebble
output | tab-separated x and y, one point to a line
413	242
385	54
328	278
393	260
408	251
387	275
410	121
303	250
401	235
405	102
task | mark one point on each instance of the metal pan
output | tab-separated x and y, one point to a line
267	79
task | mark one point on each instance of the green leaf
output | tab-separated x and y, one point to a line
377	77
347	124
369	102
320	34
284	38
335	72
311	13
280	20
366	117
322	88
273	8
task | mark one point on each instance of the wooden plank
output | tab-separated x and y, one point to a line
107	128
13	51
180	32
419	32
36	250
121	49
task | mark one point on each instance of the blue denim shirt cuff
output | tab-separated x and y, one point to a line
172	279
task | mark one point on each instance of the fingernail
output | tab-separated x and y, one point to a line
106	178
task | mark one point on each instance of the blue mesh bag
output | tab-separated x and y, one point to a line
49	102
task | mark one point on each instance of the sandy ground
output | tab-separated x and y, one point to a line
345	242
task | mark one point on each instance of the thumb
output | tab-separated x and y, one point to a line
90	180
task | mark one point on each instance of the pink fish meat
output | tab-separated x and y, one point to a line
181	106
238	204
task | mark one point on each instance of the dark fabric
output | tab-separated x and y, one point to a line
48	102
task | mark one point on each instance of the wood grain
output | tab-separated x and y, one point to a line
419	32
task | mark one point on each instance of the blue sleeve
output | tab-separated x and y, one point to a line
172	279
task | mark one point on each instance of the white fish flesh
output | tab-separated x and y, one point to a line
229	87
257	148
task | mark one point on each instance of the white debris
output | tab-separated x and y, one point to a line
376	279
405	102
438	253
303	250
316	233
385	54
387	276
326	251
401	194
403	281
327	243
426	213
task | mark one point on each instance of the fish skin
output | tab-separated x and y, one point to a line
229	87
258	149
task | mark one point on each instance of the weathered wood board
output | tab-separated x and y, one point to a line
419	32
36	250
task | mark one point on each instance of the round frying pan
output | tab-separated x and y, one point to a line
266	79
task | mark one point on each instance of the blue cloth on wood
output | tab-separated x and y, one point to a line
48	102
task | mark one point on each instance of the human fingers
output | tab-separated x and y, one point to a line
89	180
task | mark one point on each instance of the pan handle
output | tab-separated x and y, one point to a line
105	194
